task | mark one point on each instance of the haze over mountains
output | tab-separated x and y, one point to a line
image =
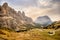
43	20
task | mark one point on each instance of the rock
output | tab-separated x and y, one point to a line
28	20
51	33
1	11
12	19
23	14
5	5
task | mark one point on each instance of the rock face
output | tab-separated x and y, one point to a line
43	20
12	19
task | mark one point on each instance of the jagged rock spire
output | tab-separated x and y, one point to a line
5	8
23	13
19	11
5	4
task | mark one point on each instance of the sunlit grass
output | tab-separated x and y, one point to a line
33	34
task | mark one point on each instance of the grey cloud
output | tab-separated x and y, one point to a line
55	1
27	3
33	3
1	1
51	4
21	2
24	3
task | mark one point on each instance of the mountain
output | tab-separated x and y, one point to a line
43	20
12	19
54	25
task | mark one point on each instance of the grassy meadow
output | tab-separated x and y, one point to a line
33	34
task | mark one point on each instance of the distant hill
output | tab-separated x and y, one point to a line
54	25
43	20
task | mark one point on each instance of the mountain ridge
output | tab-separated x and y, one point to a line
43	20
11	18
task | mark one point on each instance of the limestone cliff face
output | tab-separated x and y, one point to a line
12	19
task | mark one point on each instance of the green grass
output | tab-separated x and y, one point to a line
33	34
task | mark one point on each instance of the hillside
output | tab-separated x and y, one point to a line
54	25
34	34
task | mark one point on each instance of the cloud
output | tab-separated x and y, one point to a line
24	3
35	8
27	3
55	1
0	2
44	3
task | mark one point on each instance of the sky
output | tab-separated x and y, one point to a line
36	8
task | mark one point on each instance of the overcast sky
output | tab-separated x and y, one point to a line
36	8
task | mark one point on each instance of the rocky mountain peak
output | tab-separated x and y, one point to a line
5	5
11	18
23	13
4	9
19	11
43	20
